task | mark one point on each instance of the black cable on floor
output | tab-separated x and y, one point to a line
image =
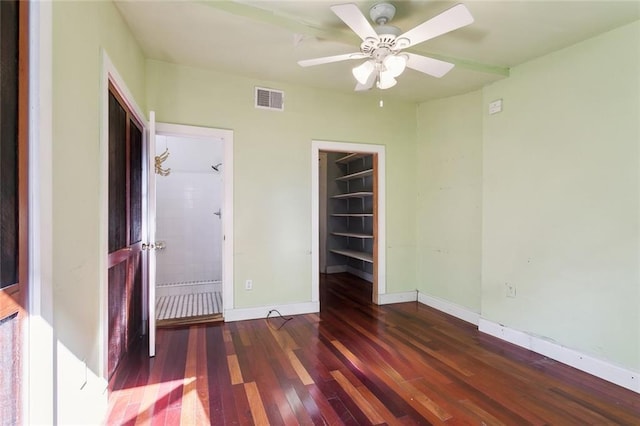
286	319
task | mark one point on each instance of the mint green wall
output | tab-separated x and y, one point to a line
561	198
449	199
80	30
272	171
553	199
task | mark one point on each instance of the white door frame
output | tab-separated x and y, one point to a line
346	147
226	136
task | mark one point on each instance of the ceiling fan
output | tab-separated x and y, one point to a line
383	46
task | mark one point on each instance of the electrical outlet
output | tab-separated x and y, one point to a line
511	290
248	285
495	106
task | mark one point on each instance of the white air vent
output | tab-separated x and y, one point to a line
269	99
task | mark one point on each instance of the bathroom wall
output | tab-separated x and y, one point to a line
186	201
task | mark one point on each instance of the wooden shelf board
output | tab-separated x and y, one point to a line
352	235
351	157
367	257
356	175
353	195
352	214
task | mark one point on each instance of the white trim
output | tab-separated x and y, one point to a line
336	269
587	363
362	274
612	373
402	297
171	129
149	236
316	147
449	308
227	206
39	396
263	311
109	73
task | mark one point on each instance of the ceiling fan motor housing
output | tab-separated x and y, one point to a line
382	13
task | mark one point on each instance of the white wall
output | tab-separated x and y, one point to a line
186	201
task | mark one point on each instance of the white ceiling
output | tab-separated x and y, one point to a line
265	39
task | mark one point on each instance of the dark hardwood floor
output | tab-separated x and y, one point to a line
356	363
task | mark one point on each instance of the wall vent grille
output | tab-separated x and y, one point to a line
269	99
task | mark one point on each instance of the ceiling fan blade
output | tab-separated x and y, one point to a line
452	19
330	59
353	17
433	67
369	84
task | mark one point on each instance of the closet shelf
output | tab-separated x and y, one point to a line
352	214
367	257
353	195
357	175
350	157
352	235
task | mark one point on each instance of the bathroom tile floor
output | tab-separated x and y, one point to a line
188	305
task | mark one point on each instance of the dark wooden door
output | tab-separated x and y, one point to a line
125	230
13	204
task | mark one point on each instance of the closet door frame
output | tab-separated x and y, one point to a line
379	251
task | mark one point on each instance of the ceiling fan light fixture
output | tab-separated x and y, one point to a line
395	64
363	71
386	80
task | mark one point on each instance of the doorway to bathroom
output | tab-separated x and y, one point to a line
190	218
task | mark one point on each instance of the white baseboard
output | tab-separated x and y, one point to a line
596	367
388	298
358	273
336	269
447	307
620	376
242	314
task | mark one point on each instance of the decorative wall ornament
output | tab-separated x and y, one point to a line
161	159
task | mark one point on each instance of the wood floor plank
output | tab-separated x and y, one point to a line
327	412
255	403
304	376
190	401
216	369
151	393
375	410
243	409
355	364
234	370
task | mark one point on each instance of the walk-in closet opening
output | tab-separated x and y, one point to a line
348	221
189	232
348	218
